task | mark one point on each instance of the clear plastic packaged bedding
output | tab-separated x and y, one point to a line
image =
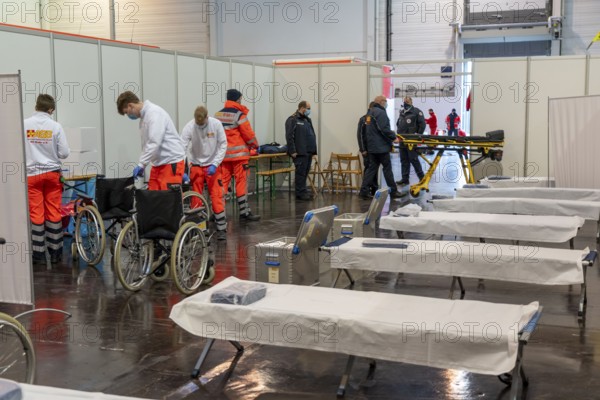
239	293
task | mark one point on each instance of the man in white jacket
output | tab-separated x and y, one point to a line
161	144
206	143
45	145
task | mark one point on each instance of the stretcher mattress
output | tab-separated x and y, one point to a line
512	205
525	264
469	335
536	228
534	193
544	182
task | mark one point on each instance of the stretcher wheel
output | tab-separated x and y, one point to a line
414	192
189	258
210	275
74	254
341	392
506	379
89	234
132	257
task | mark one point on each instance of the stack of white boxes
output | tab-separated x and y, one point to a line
85	152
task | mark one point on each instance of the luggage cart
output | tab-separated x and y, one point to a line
295	260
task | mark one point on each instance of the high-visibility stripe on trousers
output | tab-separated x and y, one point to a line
243	204
163	175
199	175
45	195
239	170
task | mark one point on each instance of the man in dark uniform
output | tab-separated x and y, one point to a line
302	146
379	144
361	136
411	120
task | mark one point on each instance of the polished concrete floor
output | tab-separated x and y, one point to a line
123	343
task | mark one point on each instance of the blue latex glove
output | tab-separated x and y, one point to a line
138	171
212	170
186	178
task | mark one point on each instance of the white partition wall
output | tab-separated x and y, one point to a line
242	80
594	76
31	55
158	79
121	71
218	81
190	79
15	256
498	102
264	106
548	77
292	85
343	97
574	141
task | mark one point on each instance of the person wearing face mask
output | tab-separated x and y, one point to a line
45	145
206	144
432	122
452	123
379	137
240	139
411	120
161	144
302	145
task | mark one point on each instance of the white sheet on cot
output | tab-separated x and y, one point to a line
534	193
468	335
525	264
536	228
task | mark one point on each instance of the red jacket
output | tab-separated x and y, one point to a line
240	136
456	122
432	122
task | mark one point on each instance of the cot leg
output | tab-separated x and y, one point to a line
572	243
337	277
400	234
452	287
583	296
372	367
519	379
462	288
346	377
207	347
349	277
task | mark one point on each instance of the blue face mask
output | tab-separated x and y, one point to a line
407	106
132	117
307	112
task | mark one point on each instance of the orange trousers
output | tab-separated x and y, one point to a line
199	175
237	169
45	196
162	175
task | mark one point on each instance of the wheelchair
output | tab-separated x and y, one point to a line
166	223
113	202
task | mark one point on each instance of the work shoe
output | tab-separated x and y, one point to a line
55	258
397	195
221	235
365	196
402	182
249	217
305	197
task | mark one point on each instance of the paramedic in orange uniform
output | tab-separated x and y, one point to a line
162	146
45	145
205	139
240	139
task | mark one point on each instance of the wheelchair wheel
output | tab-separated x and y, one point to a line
17	357
132	258
89	235
189	258
210	275
194	212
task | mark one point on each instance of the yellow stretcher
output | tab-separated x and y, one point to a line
483	146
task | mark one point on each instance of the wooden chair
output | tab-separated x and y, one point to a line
332	172
317	173
350	172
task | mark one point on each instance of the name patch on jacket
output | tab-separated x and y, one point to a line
39	136
210	134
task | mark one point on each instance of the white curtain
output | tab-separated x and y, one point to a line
574	141
15	256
